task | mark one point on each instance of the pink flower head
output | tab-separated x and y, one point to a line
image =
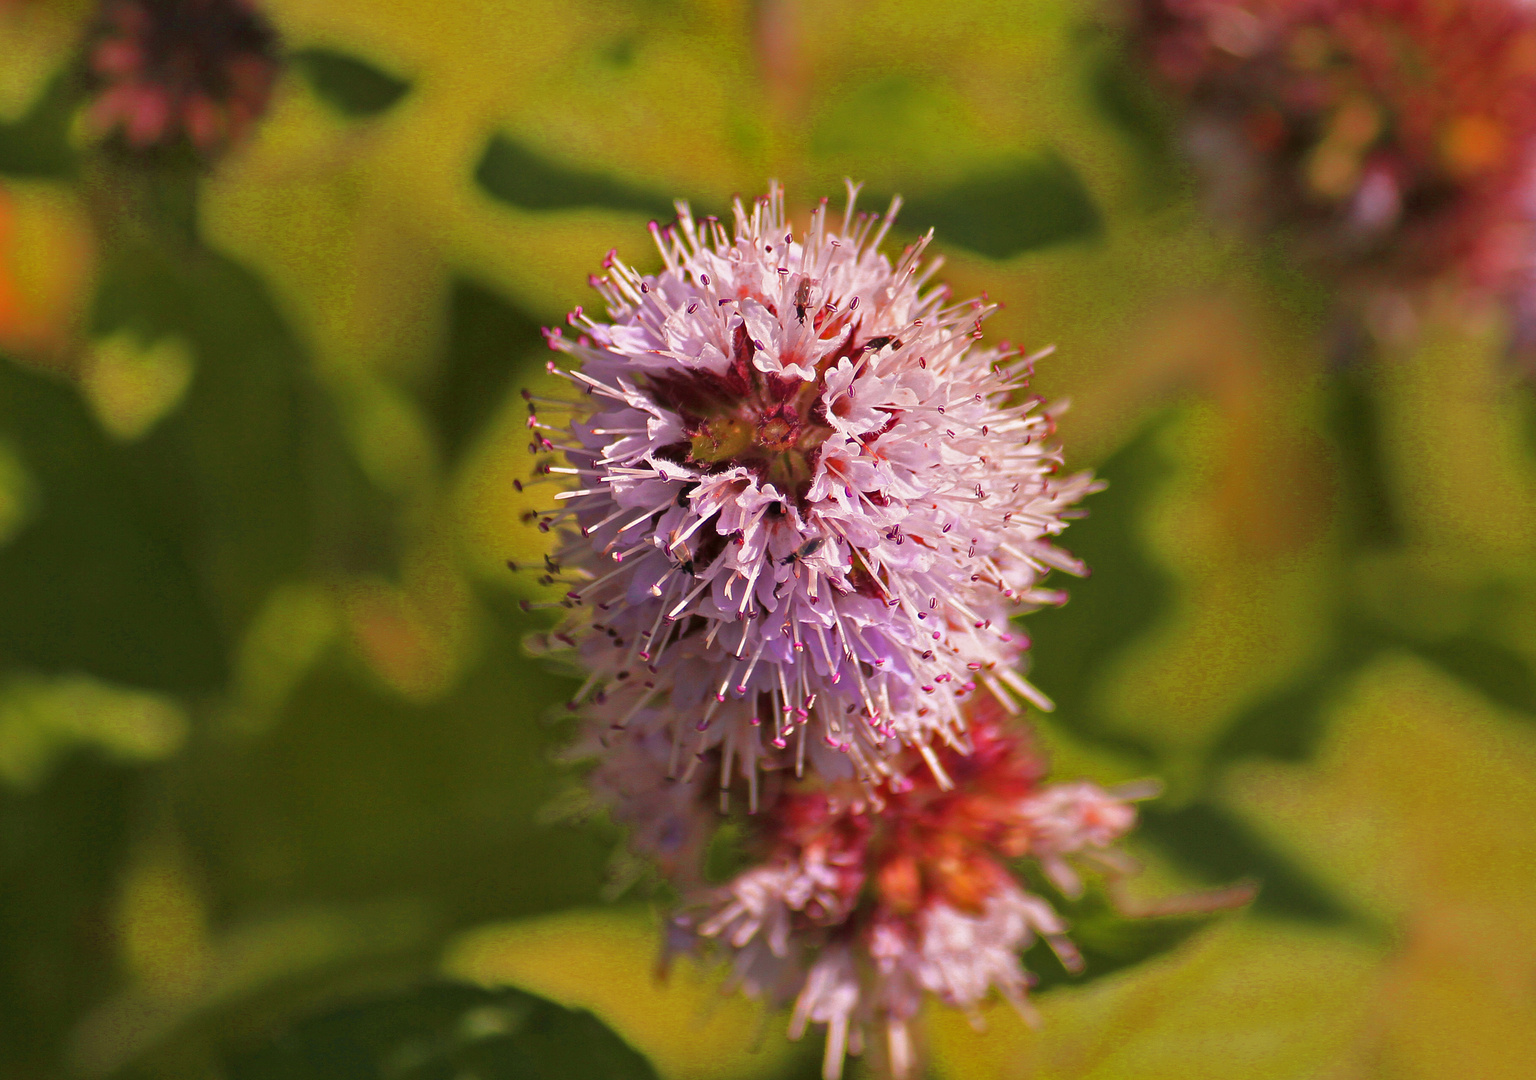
198	72
1394	137
807	501
866	900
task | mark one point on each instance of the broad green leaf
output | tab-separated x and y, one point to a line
435	799
18	497
194	981
1496	671
606	961
225	468
1468	509
1251	998
897	132
1356	430
1419	807
349	84
493	494
1124	95
36	39
132	384
1289	723
1242	529
445	1031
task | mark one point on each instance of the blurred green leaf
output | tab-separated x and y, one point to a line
350	85
1252	998
37	145
1356	429
521	177
1289	724
444	1032
1500	674
1075	644
93	582
1218	848
1034	203
382	796
43	719
1117	85
61	848
228	470
489	340
1108	940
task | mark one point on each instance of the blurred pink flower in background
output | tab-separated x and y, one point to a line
164	71
1392	139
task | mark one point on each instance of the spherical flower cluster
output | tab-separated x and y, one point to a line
806	502
179	72
1394	138
866	900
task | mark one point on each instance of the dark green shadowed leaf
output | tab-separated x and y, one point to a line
37	145
225	470
1215	846
514	174
351	86
1498	673
61	854
381	796
94	583
1108	940
1075	644
444	1032
1119	87
1289	723
1031	204
489	341
1356	430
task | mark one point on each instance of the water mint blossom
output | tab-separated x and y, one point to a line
866	901
804	500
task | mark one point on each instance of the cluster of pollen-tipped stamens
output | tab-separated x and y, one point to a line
805	503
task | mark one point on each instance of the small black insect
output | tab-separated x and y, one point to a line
802	298
804	551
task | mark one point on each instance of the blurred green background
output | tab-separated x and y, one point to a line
268	739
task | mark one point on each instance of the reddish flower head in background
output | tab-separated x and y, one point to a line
1393	138
172	71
